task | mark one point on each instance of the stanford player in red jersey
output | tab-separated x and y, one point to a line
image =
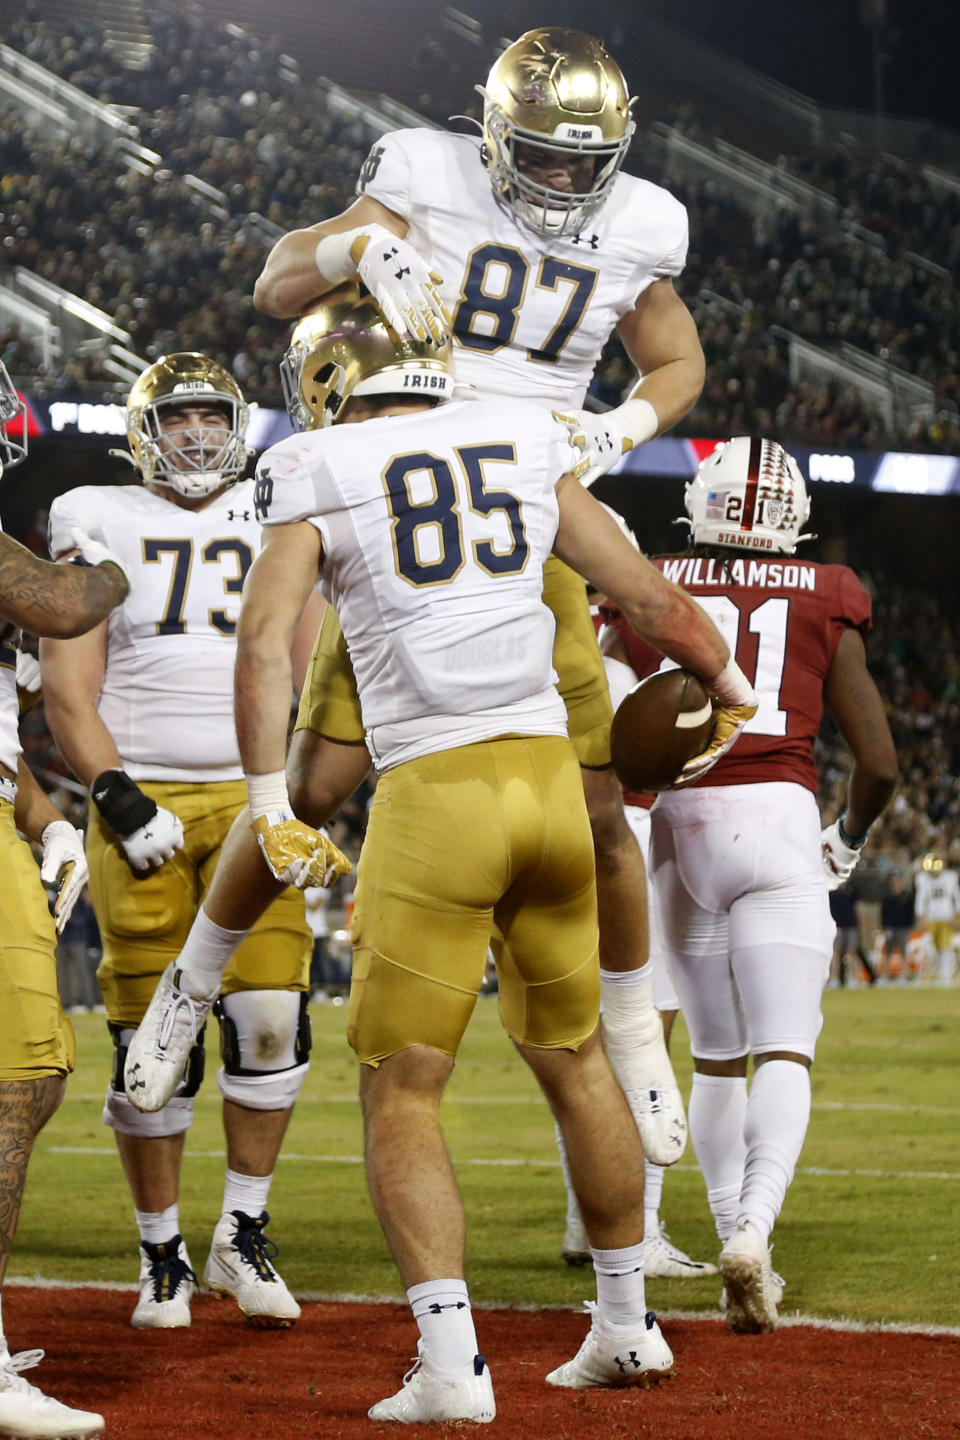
739	867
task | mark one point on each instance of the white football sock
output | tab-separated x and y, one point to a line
652	1192
626	1001
716	1116
207	952
620	1293
157	1227
778	1113
442	1311
573	1207
247	1193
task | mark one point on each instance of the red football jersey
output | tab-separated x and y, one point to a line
782	620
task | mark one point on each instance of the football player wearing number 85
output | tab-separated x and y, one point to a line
739	868
142	709
537	245
429	528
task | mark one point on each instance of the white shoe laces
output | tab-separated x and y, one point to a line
414	1370
178	1001
10	1376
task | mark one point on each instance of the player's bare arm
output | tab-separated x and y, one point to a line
855	703
58	600
290	280
73	672
591	542
33	809
661	339
278	587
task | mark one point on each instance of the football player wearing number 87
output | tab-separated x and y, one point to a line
739	868
545	247
142	709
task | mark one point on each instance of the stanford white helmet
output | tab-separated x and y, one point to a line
750	495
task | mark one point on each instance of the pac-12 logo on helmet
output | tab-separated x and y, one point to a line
198	461
749	495
555	98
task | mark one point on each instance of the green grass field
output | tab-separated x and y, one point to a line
870	1230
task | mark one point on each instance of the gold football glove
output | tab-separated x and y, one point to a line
728	721
297	854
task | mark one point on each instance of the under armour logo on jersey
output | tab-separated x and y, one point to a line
632	1362
238	514
262	494
436	1308
592	240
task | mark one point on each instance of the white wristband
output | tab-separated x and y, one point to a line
268	793
636	419
332	256
732	686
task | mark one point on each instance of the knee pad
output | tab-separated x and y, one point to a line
264	1043
175	1117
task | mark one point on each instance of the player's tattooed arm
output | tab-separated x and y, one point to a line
57	600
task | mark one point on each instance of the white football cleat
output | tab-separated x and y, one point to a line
646	1077
751	1288
240	1264
167	1285
157	1055
426	1397
663	1261
612	1356
26	1412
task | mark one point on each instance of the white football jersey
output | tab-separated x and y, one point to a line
435	527
937	897
531	312
9	703
167	696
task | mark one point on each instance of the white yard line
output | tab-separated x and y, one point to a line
889	1327
519	1161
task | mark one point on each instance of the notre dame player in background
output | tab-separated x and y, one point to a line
142	709
36	1040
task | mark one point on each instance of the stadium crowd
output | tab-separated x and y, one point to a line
176	272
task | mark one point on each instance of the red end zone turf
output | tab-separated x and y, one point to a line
219	1380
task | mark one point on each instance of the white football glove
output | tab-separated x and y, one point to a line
64	865
406	290
92	552
297	854
598	440
147	848
838	858
28	680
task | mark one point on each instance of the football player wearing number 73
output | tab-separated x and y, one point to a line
142	709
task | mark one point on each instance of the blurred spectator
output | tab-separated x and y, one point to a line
78	955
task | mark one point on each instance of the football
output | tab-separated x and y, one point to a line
662	723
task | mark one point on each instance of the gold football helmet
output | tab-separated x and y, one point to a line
932	863
555	97
343	346
195	462
13	423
